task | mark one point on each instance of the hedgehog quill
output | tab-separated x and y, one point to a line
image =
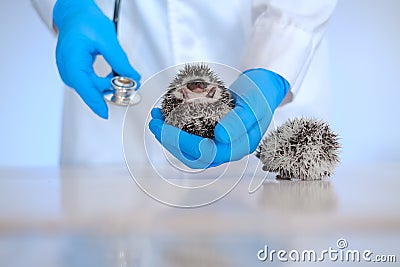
196	100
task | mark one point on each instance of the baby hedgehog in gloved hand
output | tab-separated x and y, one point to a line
196	100
303	149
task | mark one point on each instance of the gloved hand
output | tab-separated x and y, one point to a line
84	33
257	93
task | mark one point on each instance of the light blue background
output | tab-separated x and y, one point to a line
365	63
364	44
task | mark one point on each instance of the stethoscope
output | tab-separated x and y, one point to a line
124	88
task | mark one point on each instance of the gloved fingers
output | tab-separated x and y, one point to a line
239	134
169	135
242	86
202	152
255	101
239	121
195	151
117	58
275	87
73	56
156	113
156	126
188	160
256	133
242	146
176	147
91	95
82	59
63	45
234	124
77	71
250	108
247	93
235	150
102	84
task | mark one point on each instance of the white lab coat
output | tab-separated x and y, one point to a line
279	35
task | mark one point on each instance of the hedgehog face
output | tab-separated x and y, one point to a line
198	90
196	100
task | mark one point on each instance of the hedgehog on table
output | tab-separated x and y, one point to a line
301	148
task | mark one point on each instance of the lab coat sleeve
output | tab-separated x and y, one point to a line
45	10
285	35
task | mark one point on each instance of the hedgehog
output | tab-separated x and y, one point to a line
196	100
301	148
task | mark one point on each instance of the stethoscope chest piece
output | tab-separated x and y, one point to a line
124	93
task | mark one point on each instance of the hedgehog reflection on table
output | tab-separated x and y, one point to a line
196	100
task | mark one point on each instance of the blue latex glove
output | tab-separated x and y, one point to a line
257	93
84	33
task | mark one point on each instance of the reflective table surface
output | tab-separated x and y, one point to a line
100	217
